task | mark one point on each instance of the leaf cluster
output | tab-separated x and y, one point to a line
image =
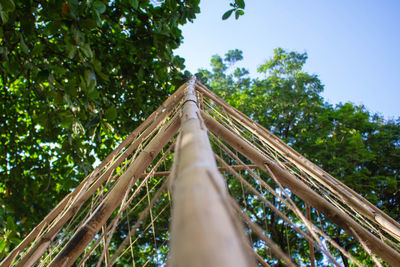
75	77
237	8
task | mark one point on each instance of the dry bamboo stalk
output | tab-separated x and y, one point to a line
203	232
304	192
164	108
85	234
311	246
366	208
261	260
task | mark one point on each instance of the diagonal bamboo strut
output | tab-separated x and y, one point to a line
81	196
124	206
86	233
301	190
310	245
364	206
309	225
201	221
170	102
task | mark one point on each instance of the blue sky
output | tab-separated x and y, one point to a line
352	45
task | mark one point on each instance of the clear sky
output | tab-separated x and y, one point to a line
353	45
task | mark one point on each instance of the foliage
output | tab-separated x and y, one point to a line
75	77
237	8
359	148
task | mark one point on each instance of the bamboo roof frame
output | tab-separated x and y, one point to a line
203	214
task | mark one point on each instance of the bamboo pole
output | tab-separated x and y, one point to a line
85	234
310	245
304	192
165	108
364	206
203	230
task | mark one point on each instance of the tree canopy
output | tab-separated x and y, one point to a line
346	140
357	147
75	77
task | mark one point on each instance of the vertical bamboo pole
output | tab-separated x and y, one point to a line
93	224
331	212
310	245
203	231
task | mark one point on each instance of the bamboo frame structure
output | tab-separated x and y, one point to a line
90	228
362	204
206	229
301	190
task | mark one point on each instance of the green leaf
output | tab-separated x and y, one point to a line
88	24
93	94
4	16
7	5
240	3
66	119
238	13
71	50
10	223
24	47
99	6
227	14
87	51
134	3
107	127
111	113
3	244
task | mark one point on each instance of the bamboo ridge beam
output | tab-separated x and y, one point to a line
93	224
235	167
203	230
304	192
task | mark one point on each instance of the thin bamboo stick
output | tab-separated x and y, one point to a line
303	191
85	234
203	231
364	206
310	245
